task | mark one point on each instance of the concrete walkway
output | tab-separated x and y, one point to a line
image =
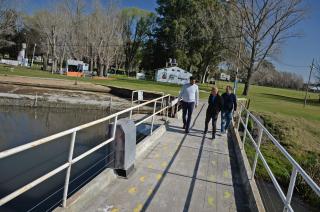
181	172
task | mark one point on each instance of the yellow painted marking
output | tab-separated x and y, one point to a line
164	164
150	166
115	210
210	201
149	191
225	174
138	208
212	178
227	194
142	179
132	190
159	176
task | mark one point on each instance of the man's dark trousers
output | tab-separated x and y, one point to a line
214	118
187	107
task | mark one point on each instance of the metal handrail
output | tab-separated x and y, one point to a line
72	160
286	199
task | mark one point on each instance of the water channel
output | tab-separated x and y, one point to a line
22	125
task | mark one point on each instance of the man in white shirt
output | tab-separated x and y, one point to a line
190	99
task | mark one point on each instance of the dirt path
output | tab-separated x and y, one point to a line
52	83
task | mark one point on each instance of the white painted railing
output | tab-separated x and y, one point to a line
73	132
296	168
140	97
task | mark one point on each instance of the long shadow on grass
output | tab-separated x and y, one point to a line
290	99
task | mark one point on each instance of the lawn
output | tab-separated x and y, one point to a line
295	126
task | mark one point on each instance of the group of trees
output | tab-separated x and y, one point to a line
67	31
200	34
267	75
106	36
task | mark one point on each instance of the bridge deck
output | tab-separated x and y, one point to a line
180	173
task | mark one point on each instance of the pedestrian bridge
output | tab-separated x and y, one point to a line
173	171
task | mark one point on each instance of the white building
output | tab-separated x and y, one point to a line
315	88
224	77
173	74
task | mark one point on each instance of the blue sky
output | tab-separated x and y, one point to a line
296	55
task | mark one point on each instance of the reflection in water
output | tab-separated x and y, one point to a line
19	126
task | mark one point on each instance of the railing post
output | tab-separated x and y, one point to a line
257	154
239	118
114	127
291	188
245	130
66	182
167	110
162	102
153	117
172	109
110	106
132	95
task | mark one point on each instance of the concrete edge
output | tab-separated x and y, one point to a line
95	186
147	142
251	188
89	191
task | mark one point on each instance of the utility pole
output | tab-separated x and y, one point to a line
307	88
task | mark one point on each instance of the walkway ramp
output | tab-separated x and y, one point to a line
180	172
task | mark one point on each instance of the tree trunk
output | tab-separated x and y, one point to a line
54	55
105	68
91	64
250	70
203	80
62	57
247	84
91	59
100	67
45	62
46	57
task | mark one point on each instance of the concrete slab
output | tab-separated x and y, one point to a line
181	172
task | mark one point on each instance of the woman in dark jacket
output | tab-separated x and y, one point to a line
215	105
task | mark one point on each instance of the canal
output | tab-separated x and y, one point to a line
20	125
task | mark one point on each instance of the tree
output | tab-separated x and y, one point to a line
266	25
8	19
74	12
50	26
135	27
190	32
104	40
